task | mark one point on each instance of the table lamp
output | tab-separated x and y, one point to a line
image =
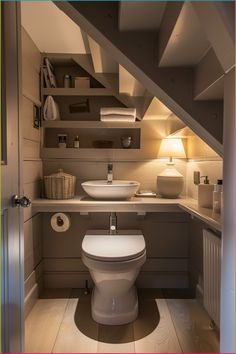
170	182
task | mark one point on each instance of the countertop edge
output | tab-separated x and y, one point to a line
136	205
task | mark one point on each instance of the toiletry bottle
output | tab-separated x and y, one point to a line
217	196
67	81
76	142
205	190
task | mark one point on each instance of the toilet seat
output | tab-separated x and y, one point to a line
113	248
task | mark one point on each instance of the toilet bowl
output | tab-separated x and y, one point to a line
114	262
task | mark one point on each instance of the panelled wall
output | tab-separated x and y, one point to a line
166	236
32	170
174	241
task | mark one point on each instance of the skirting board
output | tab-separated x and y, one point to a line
145	280
33	286
31	299
199	293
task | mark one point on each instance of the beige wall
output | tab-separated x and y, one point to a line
32	170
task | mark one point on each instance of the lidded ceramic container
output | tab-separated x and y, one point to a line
59	185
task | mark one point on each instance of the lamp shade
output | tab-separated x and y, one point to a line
172	148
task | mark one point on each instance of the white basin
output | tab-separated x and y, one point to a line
116	190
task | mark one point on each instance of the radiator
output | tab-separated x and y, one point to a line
211	275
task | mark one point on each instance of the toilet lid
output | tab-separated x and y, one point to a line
113	247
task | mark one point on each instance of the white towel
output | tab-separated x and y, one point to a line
117	118
118	110
50	109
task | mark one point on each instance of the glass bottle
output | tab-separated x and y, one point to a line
76	142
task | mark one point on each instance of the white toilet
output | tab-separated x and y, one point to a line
114	262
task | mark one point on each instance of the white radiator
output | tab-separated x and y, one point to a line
211	275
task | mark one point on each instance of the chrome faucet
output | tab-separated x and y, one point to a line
109	173
113	223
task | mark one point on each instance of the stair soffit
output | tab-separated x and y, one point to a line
102	61
157	111
140	16
187	43
162	83
128	84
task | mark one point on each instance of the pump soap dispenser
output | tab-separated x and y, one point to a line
205	193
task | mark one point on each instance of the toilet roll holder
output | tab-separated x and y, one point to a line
60	221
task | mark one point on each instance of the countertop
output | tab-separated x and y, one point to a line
138	205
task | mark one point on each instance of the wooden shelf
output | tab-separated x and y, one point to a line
92	154
76	92
89	124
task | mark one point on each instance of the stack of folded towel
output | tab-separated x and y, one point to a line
117	114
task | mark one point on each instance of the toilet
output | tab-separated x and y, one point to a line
114	262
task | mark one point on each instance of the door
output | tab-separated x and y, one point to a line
11	182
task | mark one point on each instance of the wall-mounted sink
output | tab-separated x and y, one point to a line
116	190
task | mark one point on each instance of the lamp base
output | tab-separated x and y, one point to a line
170	183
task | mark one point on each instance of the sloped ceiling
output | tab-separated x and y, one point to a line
46	25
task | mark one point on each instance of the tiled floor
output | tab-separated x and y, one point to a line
61	322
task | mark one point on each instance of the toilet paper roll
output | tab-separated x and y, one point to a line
60	222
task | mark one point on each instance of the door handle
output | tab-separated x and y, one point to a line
23	202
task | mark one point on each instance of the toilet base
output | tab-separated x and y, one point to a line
110	310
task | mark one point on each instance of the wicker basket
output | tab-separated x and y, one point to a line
59	185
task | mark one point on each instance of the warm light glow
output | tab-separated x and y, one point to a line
172	148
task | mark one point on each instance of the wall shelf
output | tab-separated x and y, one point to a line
89	124
86	125
61	91
91	154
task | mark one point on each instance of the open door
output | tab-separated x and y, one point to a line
12	243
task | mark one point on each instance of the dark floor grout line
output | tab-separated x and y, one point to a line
67	304
172	319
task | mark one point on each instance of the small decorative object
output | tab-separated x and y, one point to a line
170	182
59	185
126	142
62	138
76	142
67	81
82	82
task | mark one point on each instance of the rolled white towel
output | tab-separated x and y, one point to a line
50	109
117	118
118	110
